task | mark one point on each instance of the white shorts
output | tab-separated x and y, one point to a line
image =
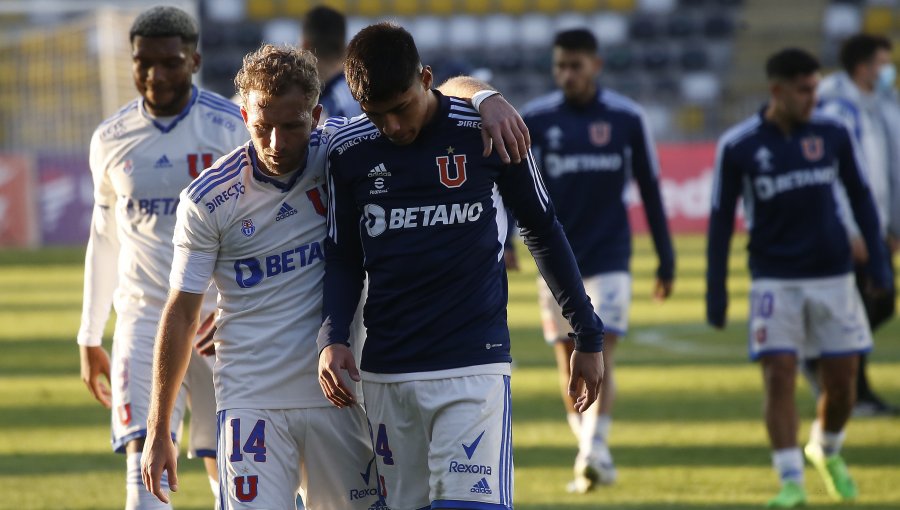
443	443
267	455
812	317
610	294
131	369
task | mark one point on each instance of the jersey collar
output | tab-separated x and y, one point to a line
284	186
165	128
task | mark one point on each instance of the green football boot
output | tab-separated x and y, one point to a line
833	470
791	495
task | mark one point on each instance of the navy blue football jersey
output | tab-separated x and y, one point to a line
426	222
787	184
587	155
337	100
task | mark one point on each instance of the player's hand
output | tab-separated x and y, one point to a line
204	343
662	289
587	375
95	363
510	259
333	361
160	455
858	250
503	127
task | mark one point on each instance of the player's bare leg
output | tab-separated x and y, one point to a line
212	472
137	497
837	379
780	380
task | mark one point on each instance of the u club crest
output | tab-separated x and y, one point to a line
443	164
813	148
247	227
600	133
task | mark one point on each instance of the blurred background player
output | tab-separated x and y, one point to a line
325	35
785	161
589	142
437	387
863	95
141	159
262	247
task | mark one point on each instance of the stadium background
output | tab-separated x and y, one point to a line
688	432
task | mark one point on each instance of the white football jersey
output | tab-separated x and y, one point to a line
140	165
261	238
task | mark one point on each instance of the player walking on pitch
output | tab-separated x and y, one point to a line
141	158
418	209
803	303
254	223
589	142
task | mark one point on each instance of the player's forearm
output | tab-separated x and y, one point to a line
344	278
463	86
171	355
556	263
100	277
866	217
659	230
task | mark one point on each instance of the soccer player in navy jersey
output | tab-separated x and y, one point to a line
418	208
325	35
785	161
589	142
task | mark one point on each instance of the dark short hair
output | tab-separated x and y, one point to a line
325	29
382	61
860	49
578	39
790	63
273	70
165	21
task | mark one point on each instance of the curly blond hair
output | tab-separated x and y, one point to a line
273	70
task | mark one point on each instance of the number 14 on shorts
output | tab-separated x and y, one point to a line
246	487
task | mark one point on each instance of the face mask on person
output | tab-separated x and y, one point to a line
887	75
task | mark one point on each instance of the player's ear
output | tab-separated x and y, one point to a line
244	111
316	113
597	64
196	60
427	77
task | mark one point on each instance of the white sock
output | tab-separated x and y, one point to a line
815	432
214	486
137	497
594	433
832	442
574	420
788	463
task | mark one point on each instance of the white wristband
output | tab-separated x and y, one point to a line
480	96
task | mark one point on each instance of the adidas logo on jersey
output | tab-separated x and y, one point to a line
379	171
481	487
163	162
285	212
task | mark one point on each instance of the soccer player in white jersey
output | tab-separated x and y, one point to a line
141	158
254	223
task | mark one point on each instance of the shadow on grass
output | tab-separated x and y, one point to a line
687	506
655	455
12	464
40	357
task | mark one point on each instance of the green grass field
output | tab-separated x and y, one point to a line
687	433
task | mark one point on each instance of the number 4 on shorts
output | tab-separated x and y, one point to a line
382	447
